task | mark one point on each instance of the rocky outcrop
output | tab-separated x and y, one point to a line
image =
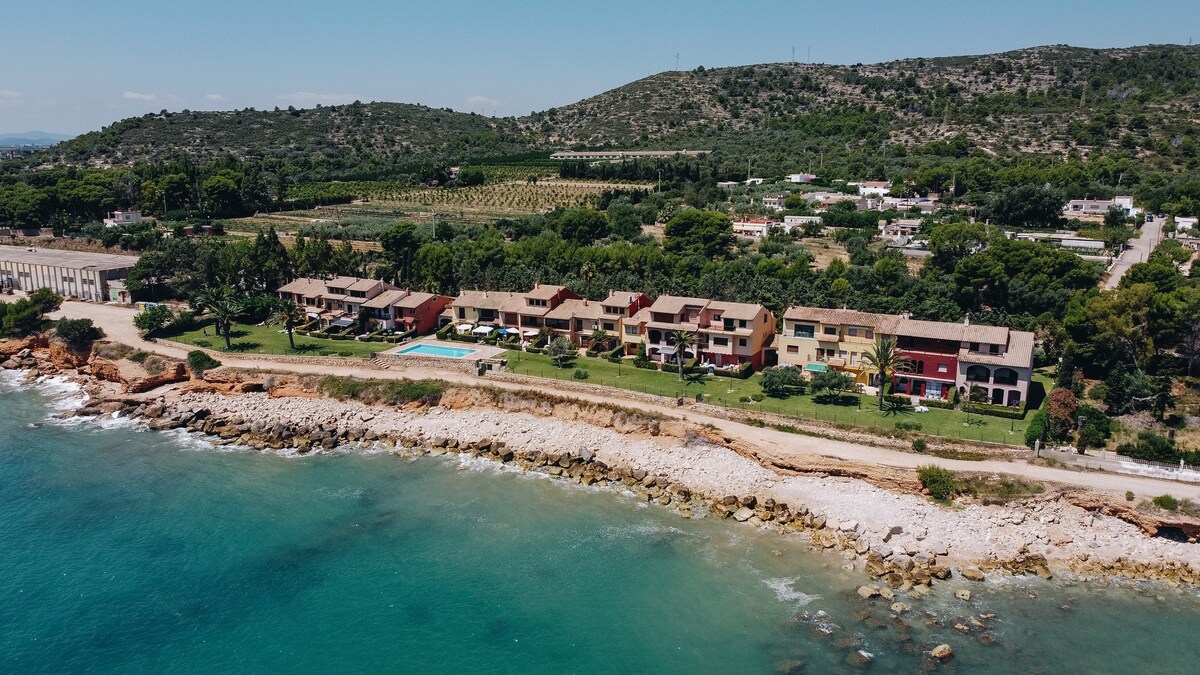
64	357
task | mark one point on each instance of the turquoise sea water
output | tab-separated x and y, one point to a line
126	551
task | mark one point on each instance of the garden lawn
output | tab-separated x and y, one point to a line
862	412
251	339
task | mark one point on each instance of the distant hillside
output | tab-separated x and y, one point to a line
344	131
41	138
1040	100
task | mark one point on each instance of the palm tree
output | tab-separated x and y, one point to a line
224	312
290	315
682	341
885	360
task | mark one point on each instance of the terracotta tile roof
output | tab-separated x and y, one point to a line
385	299
416	299
621	298
544	292
363	285
343	283
673	304
304	286
736	310
881	323
1018	355
576	309
483	299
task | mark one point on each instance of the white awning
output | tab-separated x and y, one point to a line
531	333
342	323
463	327
314	315
483	330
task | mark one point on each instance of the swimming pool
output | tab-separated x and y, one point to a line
437	350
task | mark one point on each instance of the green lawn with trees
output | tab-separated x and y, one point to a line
271	339
841	407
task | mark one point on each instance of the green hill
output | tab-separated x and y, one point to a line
1047	100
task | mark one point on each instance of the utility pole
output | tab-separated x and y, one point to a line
793	54
676	60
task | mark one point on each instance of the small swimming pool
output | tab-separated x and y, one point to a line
437	350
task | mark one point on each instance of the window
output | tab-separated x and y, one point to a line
974	346
631	330
802	331
716	318
609	326
830	330
942	368
462	313
741	342
853	332
870	335
994	349
842	353
728	324
793	349
69	280
742	323
720	341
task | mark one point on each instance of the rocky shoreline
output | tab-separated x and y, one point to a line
901	540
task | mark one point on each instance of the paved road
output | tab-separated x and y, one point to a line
1138	251
117	324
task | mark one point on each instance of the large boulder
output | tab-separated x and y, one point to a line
942	652
971	574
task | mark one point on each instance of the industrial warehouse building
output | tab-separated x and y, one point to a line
90	276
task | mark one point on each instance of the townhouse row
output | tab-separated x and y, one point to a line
942	357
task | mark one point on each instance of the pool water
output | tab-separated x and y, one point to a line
437	350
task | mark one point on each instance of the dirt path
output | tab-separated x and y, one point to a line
117	324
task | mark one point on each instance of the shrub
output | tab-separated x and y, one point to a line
562	351
345	354
757	397
938	481
1038	424
1098	393
154	366
153	319
997	411
919	445
781	382
202	343
580	374
744	399
198	362
1129	495
139	356
907	425
1166	502
77	333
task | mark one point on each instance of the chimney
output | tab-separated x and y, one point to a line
967	319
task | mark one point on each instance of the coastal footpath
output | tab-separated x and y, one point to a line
877	520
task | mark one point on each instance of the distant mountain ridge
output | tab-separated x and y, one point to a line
40	138
1048	100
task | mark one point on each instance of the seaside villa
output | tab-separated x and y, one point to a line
727	334
577	319
993	361
337	302
521	313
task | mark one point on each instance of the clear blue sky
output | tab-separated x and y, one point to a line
72	66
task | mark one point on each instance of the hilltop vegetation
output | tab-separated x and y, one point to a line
1044	100
366	139
1039	100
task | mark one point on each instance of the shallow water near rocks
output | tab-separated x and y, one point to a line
125	550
